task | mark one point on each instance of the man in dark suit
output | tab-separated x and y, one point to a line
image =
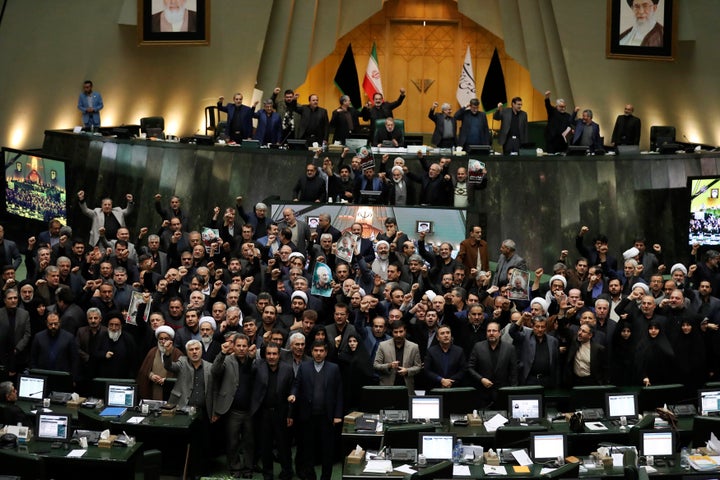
15	335
300	230
627	128
269	125
537	352
9	253
513	126
269	406
54	349
231	372
314	124
445	126
445	363
492	365
587	362
587	132
474	129
239	124
317	391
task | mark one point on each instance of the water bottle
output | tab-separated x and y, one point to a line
685	458
458	452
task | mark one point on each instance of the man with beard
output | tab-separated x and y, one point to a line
646	31
445	363
107	217
398	360
558	124
173	212
116	353
191	330
231	324
272	382
54	348
211	347
310	188
380	109
287	109
380	264
175	17
233	377
14	333
87	340
152	373
492	365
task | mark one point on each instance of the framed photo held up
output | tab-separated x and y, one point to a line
173	22
641	29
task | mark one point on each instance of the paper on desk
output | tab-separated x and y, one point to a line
713	444
545	470
494	469
76	453
595	426
406	469
649	470
617	458
135	419
460	471
522	457
378	466
495	422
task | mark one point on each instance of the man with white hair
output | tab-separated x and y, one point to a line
211	347
508	259
175	17
445	126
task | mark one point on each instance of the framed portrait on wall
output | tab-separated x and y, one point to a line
173	22
641	29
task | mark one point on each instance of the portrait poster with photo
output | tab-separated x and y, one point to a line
173	22
476	171
346	246
136	299
641	29
322	280
519	286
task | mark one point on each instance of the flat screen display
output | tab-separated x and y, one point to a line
425	408
621	405
709	401
35	186
437	446
120	395
525	406
54	428
658	443
31	387
547	446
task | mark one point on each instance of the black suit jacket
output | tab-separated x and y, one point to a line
598	363
439	121
304	386
285	379
480	365
457	365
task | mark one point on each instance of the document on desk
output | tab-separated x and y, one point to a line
460	471
406	469
135	420
495	422
522	457
378	466
594	426
494	469
545	470
76	453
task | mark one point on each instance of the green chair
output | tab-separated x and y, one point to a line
399	126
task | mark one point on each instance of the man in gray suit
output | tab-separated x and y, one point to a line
13	341
9	255
492	365
513	126
392	369
193	387
300	230
232	370
508	259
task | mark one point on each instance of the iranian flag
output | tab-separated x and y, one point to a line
372	83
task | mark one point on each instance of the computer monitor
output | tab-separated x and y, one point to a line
437	446
425	408
547	446
658	443
52	428
621	405
31	387
709	401
525	406
120	395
